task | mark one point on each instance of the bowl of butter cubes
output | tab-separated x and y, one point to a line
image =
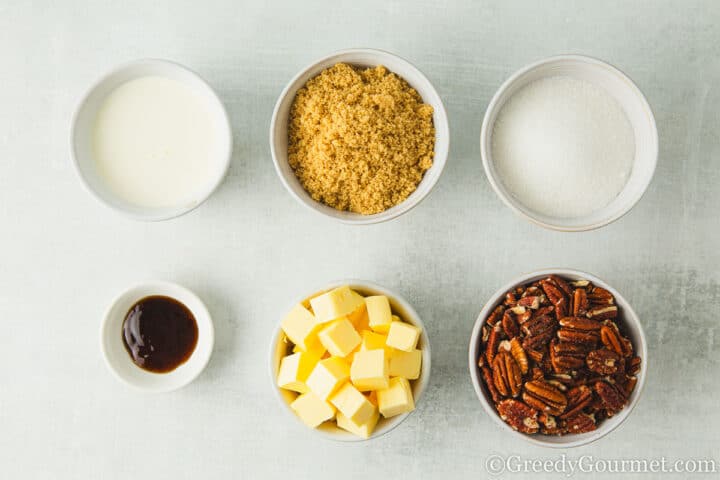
350	360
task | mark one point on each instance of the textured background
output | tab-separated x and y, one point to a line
251	248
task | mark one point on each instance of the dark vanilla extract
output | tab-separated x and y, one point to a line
159	333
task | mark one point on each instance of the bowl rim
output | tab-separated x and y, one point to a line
405	205
486	130
201	311
629	316
164	213
422	381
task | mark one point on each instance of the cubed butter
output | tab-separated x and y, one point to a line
339	337
353	404
327	377
373	341
396	399
369	370
405	364
363	430
316	350
403	336
336	303
359	318
312	410
301	328
294	371
379	314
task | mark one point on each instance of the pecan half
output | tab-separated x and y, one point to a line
613	399
580	323
510	325
602	312
611	338
518	353
519	416
580	302
581	423
490	383
492	344
545	397
495	316
603	361
579	398
506	375
556	297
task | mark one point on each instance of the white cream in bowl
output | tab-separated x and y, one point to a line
151	140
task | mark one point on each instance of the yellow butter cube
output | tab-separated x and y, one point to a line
294	371
316	348
360	319
396	399
339	337
301	328
353	404
336	303
369	370
405	364
379	314
403	336
312	410
328	376
363	430
374	341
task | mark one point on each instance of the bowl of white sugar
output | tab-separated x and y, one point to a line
569	143
151	139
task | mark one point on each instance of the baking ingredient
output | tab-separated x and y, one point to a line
341	367
336	303
295	369
156	143
563	147
360	139
379	314
159	333
312	410
369	370
396	399
553	357
328	376
403	336
339	337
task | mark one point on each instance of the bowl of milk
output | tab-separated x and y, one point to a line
152	140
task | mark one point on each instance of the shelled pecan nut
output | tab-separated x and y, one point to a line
604	361
544	397
519	416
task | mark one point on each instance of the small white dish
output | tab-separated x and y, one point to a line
635	107
83	128
361	57
631	325
119	360
278	349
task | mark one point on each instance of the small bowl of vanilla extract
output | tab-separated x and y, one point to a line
157	336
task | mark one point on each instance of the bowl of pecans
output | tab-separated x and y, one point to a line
558	357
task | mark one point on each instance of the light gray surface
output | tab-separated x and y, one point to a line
251	248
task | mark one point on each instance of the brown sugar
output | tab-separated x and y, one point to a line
360	139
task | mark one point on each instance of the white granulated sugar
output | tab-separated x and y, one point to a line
563	147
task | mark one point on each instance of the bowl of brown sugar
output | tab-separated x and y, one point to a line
360	136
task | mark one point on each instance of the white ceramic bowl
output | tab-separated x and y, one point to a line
632	102
631	326
118	359
83	126
362	58
399	306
